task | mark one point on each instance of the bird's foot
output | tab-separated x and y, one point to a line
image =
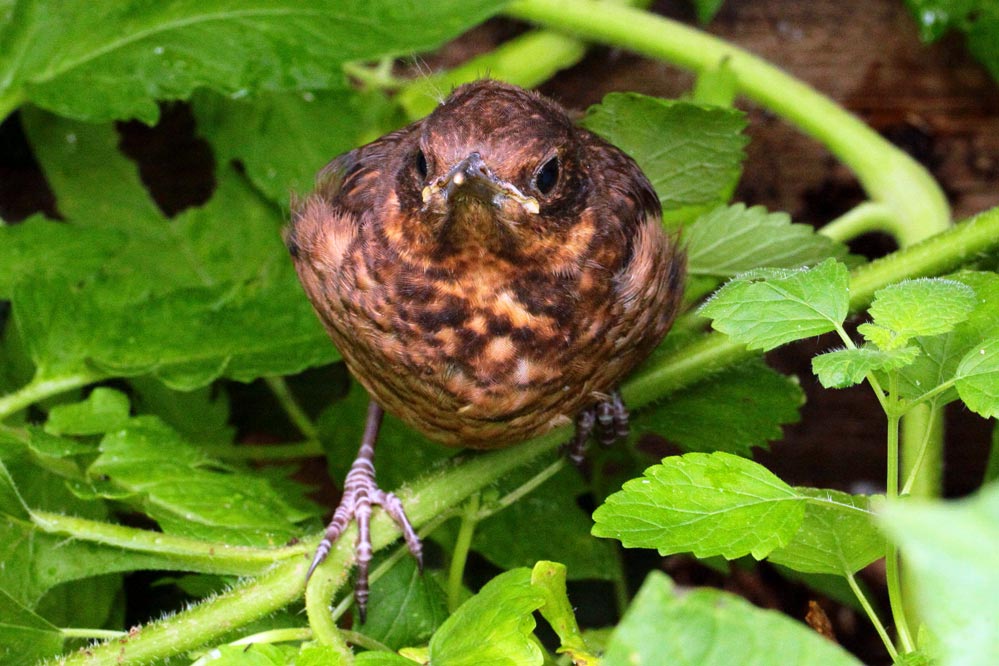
360	492
607	419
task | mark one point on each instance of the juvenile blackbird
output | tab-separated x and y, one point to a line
488	273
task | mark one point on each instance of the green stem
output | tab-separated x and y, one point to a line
922	429
892	568
285	635
42	387
279	387
862	219
887	174
872	616
462	545
181	553
99	634
247	601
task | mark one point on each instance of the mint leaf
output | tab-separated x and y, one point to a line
187	299
411	606
284	139
104	409
493	627
705	504
733	239
951	547
549	578
977	19
25	637
941	354
837	535
191	495
757	400
692	154
363	659
921	307
978	378
255	654
199	415
39	249
510	538
846	367
712	628
766	308
100	63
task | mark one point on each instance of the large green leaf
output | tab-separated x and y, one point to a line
108	60
951	548
705	504
692	154
708	627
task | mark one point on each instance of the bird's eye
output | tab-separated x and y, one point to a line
421	164
547	176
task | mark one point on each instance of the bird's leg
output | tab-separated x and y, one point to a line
360	491
608	418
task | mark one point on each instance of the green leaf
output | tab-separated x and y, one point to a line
922	307
978	379
837	536
39	249
733	239
941	354
284	139
104	409
102	62
255	654
410	607
692	154
706	9
549	577
200	415
758	401
24	636
191	495
766	308
977	19
705	504
510	538
494	627
950	548
846	367
370	659
712	628
187	299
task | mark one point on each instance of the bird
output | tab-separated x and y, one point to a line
488	273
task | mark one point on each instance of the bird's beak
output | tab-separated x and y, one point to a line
472	177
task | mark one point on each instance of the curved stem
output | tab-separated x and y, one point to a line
862	219
279	387
42	387
887	174
527	60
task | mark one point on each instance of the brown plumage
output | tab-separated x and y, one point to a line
491	271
